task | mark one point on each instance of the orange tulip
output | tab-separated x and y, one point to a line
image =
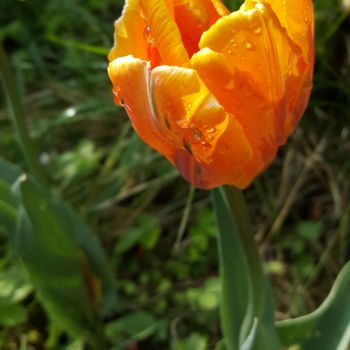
215	92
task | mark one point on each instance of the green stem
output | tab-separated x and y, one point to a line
18	119
247	310
240	213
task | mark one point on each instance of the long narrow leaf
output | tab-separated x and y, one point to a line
327	328
246	295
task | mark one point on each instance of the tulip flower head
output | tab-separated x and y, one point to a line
215	92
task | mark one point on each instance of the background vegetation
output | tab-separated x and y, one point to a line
159	234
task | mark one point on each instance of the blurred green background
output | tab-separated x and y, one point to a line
159	233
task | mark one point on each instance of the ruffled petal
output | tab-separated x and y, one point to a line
210	143
193	18
258	74
129	33
130	78
164	32
298	18
221	9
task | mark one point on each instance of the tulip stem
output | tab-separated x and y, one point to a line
247	310
18	119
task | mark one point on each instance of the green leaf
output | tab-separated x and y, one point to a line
326	328
194	341
249	343
146	232
135	326
8	216
14	286
8	203
246	294
8	172
66	264
11	314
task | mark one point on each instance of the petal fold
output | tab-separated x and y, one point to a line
210	143
130	78
129	29
258	74
164	32
298	18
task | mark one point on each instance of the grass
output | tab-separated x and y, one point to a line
135	201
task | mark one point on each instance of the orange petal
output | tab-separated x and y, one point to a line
298	18
256	116
220	8
129	33
258	74
164	32
210	143
193	18
130	78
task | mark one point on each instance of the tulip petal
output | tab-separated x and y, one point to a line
257	117
298	18
258	74
130	78
202	132
221	9
129	33
193	18
164	32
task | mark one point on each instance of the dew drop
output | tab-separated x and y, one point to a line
210	130
118	99
188	108
142	15
257	30
229	51
248	45
197	135
147	34
205	145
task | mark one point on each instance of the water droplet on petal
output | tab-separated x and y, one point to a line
197	135
248	45
147	34
205	145
142	15
117	98
210	130
257	30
